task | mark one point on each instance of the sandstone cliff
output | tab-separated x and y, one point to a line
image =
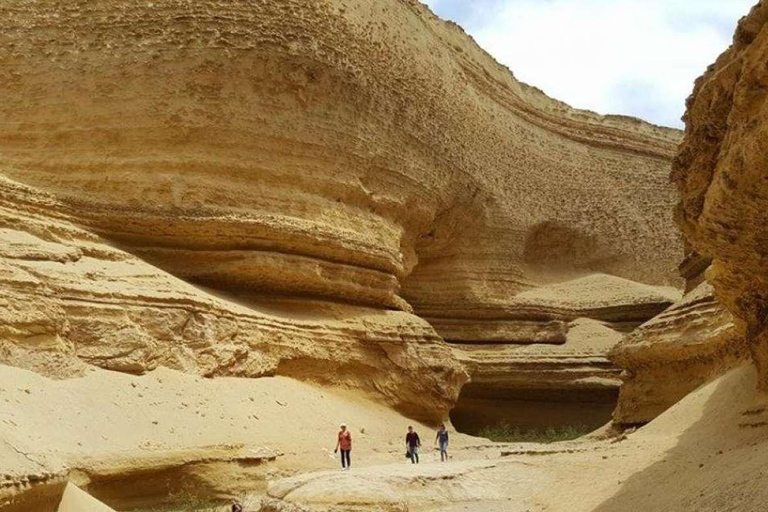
70	299
677	351
328	191
721	175
327	161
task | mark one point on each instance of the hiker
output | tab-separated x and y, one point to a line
236	506
344	442
442	438
412	443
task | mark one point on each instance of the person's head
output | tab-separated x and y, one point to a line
442	426
410	428
343	427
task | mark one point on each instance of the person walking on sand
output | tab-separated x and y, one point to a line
344	441
412	443
442	439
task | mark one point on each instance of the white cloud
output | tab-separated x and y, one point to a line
636	57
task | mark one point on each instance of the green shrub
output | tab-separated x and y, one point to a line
504	433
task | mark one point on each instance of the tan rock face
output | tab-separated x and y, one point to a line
71	299
674	353
558	372
721	175
331	167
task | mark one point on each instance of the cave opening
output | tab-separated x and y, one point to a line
532	414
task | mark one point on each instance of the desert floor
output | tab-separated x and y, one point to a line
132	440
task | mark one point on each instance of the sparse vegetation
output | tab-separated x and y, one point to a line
505	433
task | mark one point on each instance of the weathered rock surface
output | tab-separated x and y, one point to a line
71	299
325	150
674	353
29	480
561	375
721	175
307	175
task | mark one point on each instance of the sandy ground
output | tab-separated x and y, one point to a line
75	500
131	440
121	434
707	453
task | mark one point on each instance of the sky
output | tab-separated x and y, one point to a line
633	57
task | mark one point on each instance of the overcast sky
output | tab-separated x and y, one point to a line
635	57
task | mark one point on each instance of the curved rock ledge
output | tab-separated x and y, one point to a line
71	299
540	386
319	146
325	169
674	353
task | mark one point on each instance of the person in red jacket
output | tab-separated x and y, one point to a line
412	443
344	441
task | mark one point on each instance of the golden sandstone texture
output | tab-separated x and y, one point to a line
293	188
317	171
722	177
351	194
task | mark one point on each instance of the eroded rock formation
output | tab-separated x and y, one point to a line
722	176
321	190
673	354
71	299
329	166
353	193
555	372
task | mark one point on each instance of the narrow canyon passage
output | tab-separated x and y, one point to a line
482	411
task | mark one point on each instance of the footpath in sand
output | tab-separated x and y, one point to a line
707	453
131	442
136	441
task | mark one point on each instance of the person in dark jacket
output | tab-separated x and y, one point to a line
236	506
412	443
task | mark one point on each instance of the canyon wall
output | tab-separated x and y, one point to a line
722	175
325	190
674	353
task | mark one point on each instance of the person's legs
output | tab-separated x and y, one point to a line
443	451
345	459
416	453
349	459
412	450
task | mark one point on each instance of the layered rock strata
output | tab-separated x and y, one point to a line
566	378
673	354
70	299
721	175
533	387
328	166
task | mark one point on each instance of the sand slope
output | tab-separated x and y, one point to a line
75	500
130	440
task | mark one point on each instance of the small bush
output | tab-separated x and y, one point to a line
504	433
